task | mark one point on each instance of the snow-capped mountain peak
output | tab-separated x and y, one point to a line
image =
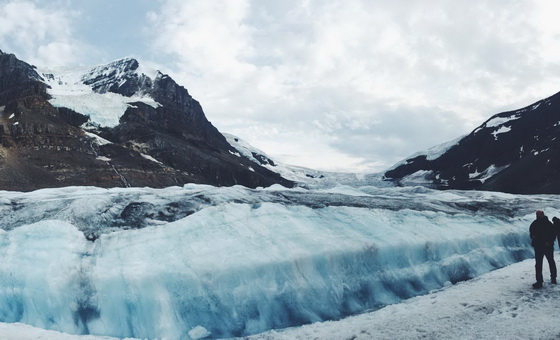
103	93
156	133
124	76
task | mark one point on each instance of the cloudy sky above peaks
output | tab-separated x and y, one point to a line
340	85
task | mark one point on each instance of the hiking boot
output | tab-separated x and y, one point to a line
537	285
553	280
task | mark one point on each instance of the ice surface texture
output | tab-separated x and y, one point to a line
236	261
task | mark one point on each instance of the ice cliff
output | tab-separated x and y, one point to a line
153	263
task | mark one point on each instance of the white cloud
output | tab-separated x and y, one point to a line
346	85
210	31
345	71
40	35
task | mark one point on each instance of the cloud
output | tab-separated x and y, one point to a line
40	35
368	82
327	84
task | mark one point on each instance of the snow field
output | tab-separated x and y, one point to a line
496	305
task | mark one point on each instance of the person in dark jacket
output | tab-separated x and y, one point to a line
556	223
543	236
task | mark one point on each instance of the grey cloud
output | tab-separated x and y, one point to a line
367	82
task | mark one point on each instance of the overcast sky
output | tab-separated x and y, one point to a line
339	85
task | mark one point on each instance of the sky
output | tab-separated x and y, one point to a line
334	85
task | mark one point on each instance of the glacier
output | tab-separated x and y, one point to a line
71	87
193	261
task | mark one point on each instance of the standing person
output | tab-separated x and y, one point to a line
556	223
543	235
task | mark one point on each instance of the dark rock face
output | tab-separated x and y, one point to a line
173	144
513	152
118	77
14	71
18	79
38	149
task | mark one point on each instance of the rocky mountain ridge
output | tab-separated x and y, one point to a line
515	152
161	138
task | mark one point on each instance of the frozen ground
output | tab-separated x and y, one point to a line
160	263
496	305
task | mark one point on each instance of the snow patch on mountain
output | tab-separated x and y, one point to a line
67	89
419	177
488	173
431	154
98	140
150	158
502	129
499	121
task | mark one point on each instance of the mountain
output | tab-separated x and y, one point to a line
305	177
514	152
118	124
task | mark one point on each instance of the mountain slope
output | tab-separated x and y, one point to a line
513	152
305	177
112	125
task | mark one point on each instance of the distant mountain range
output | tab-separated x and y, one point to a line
123	124
112	125
515	152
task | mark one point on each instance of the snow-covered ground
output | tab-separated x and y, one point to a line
497	305
19	331
186	262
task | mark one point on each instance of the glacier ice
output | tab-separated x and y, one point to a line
235	261
68	88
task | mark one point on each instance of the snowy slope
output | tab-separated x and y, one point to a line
512	151
308	178
235	261
496	305
420	177
68	89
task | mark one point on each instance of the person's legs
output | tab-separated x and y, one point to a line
539	254
549	253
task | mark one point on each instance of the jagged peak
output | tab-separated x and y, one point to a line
119	71
121	65
13	65
116	69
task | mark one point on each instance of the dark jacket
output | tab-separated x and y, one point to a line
542	233
556	223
